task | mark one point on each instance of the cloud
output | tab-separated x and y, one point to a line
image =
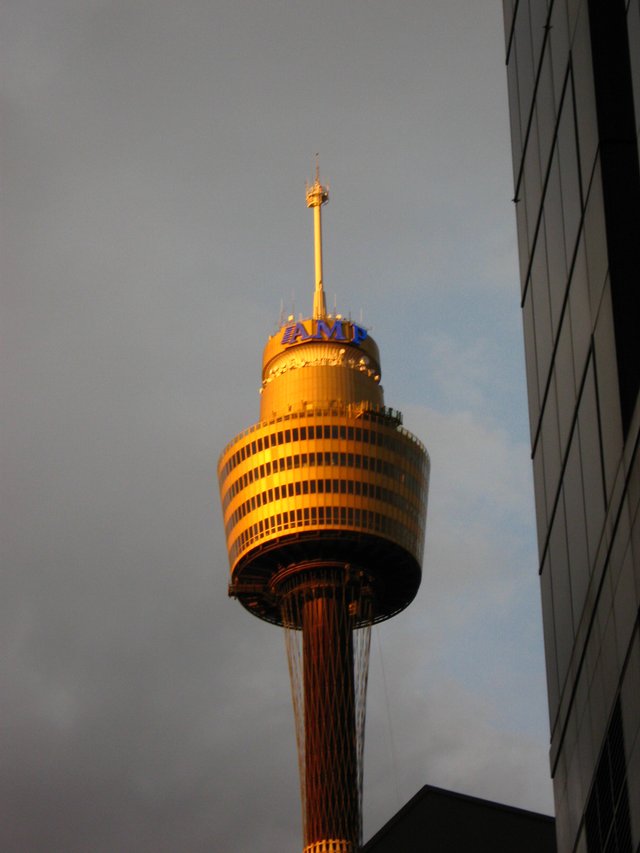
477	469
461	749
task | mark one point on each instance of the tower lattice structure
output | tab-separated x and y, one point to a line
324	503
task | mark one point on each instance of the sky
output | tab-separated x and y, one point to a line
153	158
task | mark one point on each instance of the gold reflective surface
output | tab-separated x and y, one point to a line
327	461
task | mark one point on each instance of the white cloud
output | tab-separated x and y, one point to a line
461	749
461	372
478	472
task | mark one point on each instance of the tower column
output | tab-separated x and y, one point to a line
331	769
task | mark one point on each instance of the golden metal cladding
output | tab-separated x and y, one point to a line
328	473
315	370
341	481
330	845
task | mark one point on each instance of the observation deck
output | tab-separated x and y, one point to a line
327	474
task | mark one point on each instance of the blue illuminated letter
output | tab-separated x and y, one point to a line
359	334
293	333
323	330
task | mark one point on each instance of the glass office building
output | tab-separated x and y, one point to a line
574	91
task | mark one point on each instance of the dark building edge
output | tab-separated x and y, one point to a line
429	795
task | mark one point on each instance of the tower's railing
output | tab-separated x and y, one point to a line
365	411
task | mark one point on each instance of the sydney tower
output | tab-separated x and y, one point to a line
324	503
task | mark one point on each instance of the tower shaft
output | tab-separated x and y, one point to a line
331	772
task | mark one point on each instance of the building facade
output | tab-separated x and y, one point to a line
574	92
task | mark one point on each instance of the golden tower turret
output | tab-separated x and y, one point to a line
324	504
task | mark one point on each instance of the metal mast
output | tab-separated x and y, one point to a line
317	195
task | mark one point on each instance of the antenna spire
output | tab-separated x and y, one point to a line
317	195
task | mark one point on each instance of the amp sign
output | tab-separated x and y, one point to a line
340	330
